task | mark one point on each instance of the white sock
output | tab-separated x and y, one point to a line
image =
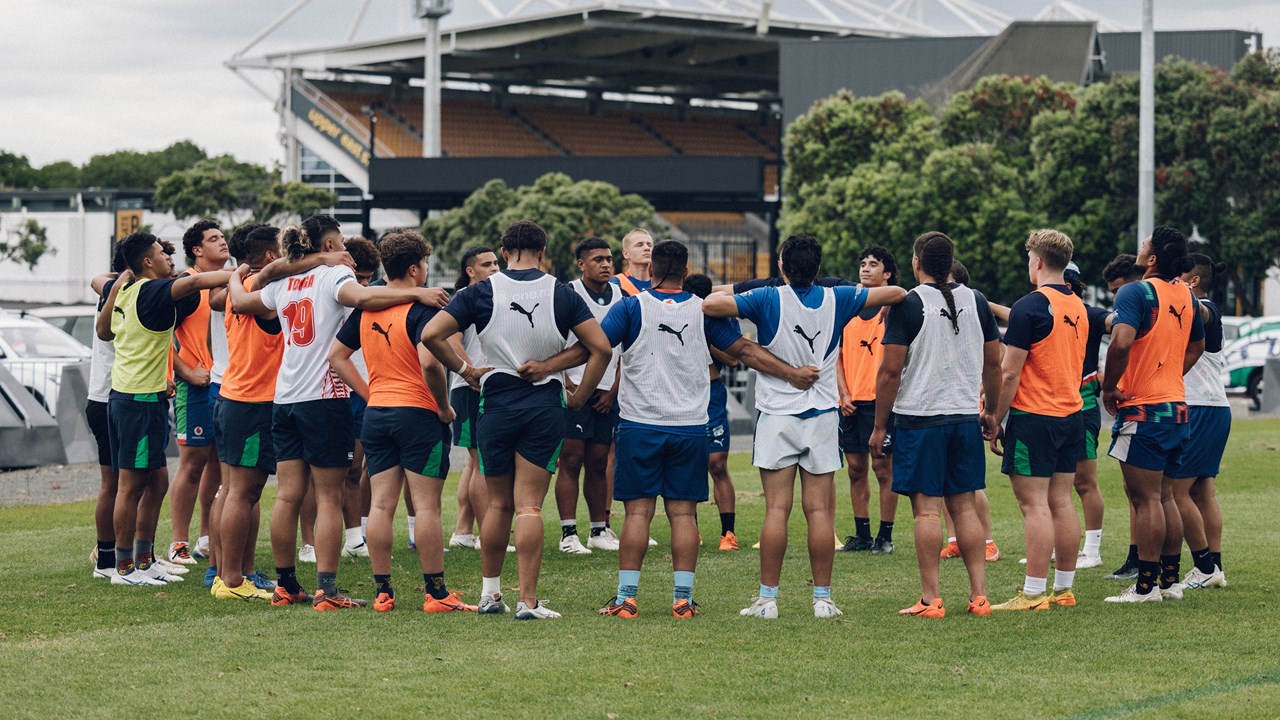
1092	543
989	541
364	526
351	536
1032	586
490	586
203	542
951	539
1063	579
567	523
411	519
597	525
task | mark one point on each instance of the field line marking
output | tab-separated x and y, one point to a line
1269	677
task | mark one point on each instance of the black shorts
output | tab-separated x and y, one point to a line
245	437
318	432
466	410
535	434
1092	425
1041	445
856	429
96	414
409	437
589	425
139	429
358	406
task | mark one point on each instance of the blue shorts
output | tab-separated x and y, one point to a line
138	426
409	437
718	422
652	463
535	434
358	405
193	415
1149	445
588	425
1202	454
317	432
940	460
466	411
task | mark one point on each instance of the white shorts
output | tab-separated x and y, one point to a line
812	443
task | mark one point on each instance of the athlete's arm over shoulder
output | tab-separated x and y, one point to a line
887	295
243	301
720	305
190	284
353	294
97	284
284	267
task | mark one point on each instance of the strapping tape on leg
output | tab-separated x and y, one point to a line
928	517
531	511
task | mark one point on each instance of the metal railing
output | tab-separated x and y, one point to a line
41	378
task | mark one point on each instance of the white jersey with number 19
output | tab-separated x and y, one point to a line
310	316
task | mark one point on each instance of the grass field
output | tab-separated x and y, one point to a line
72	646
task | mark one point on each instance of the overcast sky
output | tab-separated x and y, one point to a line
79	78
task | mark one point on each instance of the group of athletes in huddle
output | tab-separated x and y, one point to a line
296	364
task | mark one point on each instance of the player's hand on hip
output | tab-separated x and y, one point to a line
535	371
803	378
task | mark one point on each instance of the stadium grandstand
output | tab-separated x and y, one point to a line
681	101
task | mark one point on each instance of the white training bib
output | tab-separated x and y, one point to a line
522	326
943	371
598	310
665	380
803	338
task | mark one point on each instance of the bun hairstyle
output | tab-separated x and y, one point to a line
308	237
1206	268
1122	266
468	258
1169	246
698	284
936	253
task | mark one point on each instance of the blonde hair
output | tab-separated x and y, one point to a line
626	239
1051	246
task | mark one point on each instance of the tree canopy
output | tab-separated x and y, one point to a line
1016	153
237	192
119	169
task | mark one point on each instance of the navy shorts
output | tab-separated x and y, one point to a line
1041	445
856	429
318	432
466	410
409	437
139	430
245	436
1092	419
193	415
1149	445
940	460
95	413
1202	454
652	463
587	424
358	405
534	434
718	418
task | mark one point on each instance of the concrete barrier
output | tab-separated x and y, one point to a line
1270	401
29	436
73	395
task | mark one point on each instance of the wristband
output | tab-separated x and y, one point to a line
466	366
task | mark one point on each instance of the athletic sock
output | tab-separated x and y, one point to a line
768	592
383	583
328	582
1203	560
106	554
490	586
567	528
143	553
434	582
1063	580
821	592
951	539
288	579
1092	543
203	544
628	585
683	586
1032	586
597	528
1132	560
726	522
862	528
124	560
364	527
886	531
351	537
1169	569
1148	576
411	526
1217	559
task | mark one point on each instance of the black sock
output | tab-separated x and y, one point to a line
862	528
1148	575
886	531
435	585
1203	560
1216	557
1132	560
726	522
328	582
288	579
106	554
1169	569
597	531
567	530
384	585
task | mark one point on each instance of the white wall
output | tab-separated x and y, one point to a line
1271	292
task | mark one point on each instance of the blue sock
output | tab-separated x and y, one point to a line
628	584
769	592
684	585
821	592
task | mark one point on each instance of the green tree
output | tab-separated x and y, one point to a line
58	175
567	210
132	169
15	171
238	193
26	244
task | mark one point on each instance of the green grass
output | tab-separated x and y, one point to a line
74	646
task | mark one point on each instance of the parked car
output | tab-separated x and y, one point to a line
1247	345
75	320
35	353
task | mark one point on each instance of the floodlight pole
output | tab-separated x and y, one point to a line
1147	127
431	11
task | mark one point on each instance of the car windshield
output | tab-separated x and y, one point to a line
32	342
